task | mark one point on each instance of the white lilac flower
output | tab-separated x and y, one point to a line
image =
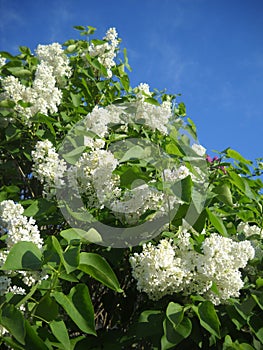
53	55
18	227
4	284
9	210
173	267
43	96
94	176
16	290
31	277
222	260
199	149
48	96
249	230
47	167
2	61
155	117
159	271
135	202
142	91
175	174
106	52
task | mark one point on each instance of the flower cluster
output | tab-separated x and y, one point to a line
106	52
43	96
174	267
94	175
249	230
54	57
136	202
47	167
17	227
2	61
155	117
140	112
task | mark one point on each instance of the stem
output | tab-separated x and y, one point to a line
28	296
23	175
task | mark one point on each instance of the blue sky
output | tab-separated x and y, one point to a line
210	51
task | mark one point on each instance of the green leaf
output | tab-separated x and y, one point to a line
7	104
217	222
76	234
79	27
172	148
149	326
235	317
73	156
182	109
208	317
135	152
183	189
76	99
23	256
13	344
97	267
32	340
71	48
243	184
19	71
152	101
125	81
224	194
78	306
175	313
237	156
69	258
259	299
256	325
237	181
229	345
59	330
173	336
47	308
25	50
13	320
259	282
41	118
245	308
39	208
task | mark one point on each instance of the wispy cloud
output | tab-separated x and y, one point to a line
61	14
10	18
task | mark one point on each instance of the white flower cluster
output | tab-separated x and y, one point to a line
155	117
137	201
17	228
54	57
2	61
106	52
142	91
99	119
176	174
199	149
142	112
43	96
4	284
94	175
249	230
47	167
176	267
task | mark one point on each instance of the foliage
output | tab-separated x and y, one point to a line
66	284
